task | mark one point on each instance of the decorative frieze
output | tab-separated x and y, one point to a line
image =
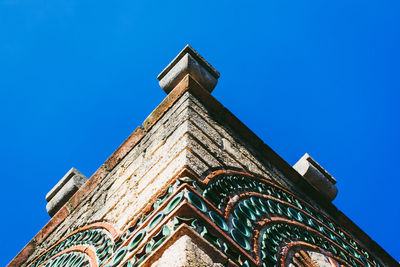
250	220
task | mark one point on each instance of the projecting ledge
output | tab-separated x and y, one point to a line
63	190
188	61
317	176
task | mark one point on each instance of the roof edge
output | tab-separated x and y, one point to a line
220	114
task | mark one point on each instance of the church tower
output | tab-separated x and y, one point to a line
193	186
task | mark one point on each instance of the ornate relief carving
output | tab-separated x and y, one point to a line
250	220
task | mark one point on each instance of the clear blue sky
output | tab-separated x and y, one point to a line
77	77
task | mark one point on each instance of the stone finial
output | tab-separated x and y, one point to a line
317	176
64	190
188	61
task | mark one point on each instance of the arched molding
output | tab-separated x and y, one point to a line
89	253
96	237
234	192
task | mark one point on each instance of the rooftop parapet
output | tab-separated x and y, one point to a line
317	176
64	190
188	61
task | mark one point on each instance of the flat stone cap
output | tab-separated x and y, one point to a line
64	190
307	157
317	176
188	61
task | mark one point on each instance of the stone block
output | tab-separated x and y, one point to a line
185	253
190	62
64	190
317	176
